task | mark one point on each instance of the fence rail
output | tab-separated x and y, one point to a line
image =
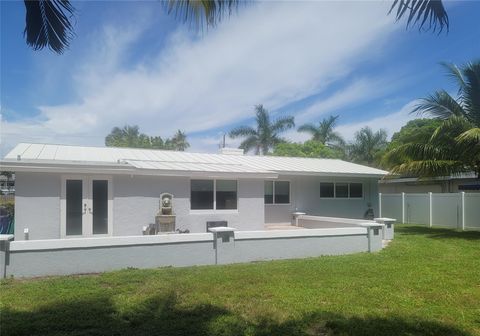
456	210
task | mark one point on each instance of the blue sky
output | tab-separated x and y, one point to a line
132	64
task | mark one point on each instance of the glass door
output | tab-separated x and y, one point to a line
76	207
99	210
86	205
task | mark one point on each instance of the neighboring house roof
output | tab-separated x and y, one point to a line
424	180
63	158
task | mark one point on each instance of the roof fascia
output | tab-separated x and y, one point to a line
125	169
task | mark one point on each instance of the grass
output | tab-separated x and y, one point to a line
427	282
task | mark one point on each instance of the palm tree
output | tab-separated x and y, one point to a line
454	147
48	22
368	146
324	132
178	141
266	134
128	136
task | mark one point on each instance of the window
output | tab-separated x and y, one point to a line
201	194
327	190
282	192
341	190
226	194
213	195
356	190
277	192
268	192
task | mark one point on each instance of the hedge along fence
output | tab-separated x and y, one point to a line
456	210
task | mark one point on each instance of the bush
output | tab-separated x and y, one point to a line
8	208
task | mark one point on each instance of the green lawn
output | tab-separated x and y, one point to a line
427	282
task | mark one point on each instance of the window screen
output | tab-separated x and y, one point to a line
326	190
356	190
226	194
268	192
341	190
201	196
282	192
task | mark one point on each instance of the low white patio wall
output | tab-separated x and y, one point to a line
91	255
316	222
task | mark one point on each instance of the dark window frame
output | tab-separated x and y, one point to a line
214	191
349	195
273	192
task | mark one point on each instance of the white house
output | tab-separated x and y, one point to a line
73	191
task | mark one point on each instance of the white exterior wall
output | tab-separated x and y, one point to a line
135	204
37	205
305	196
136	201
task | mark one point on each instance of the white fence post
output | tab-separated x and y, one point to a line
380	205
430	210
462	218
403	208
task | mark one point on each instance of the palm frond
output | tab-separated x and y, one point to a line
198	12
454	72
471	136
417	151
422	12
471	92
48	24
250	143
449	129
336	139
242	131
440	105
283	124
308	128
428	168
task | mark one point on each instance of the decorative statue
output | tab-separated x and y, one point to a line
369	213
166	206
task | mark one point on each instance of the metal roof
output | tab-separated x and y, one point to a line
25	154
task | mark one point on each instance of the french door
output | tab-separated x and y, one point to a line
87	206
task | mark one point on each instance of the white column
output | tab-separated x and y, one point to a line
379	204
403	208
462	195
430	211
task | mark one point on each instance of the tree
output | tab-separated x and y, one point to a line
324	132
130	136
454	146
178	142
48	22
368	146
266	134
8	175
416	130
309	149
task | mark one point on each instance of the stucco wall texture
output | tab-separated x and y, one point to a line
136	201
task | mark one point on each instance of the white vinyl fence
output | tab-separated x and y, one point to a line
455	210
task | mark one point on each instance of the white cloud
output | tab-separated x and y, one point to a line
272	53
391	122
356	92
